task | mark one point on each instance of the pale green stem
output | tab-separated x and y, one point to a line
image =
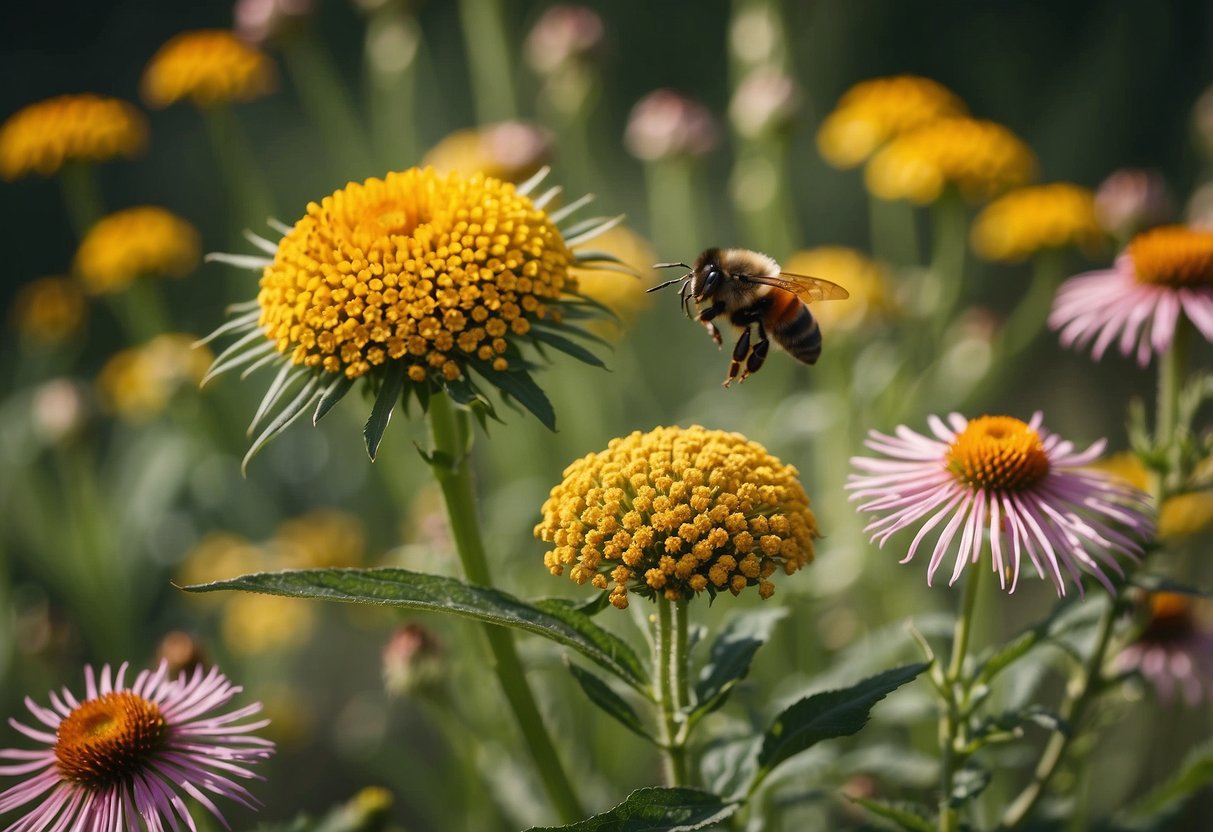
761	196
489	60
248	192
950	239
81	195
893	231
450	428
955	713
1172	369
676	213
141	310
393	40
669	656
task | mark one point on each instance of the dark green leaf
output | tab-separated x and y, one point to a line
905	815
334	393
656	810
282	421
563	328
584	304
835	713
412	590
518	385
602	695
729	659
566	346
381	411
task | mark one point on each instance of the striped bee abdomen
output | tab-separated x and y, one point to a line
798	333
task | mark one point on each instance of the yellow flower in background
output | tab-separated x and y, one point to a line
678	511
145	241
1020	223
253	623
209	67
322	537
510	150
137	384
981	158
1182	515
217	556
866	279
48	310
618	291
42	137
873	112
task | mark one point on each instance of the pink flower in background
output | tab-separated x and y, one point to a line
130	753
1163	273
1021	484
1174	651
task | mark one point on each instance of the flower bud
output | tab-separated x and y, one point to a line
1132	200
765	100
665	124
412	660
563	35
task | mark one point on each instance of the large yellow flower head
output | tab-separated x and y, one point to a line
48	310
414	282
1020	223
678	511
873	112
145	241
42	137
209	67
982	159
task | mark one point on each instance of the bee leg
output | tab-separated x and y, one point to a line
684	295
758	355
740	350
705	318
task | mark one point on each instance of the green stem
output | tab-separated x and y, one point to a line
669	656
676	214
951	722
393	40
950	239
893	231
81	195
761	196
141	310
1028	317
248	192
488	50
450	428
1171	371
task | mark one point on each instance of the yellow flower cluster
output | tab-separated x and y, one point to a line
678	511
136	242
42	137
1019	224
209	66
868	282
1173	255
981	158
49	309
437	270
873	112
137	384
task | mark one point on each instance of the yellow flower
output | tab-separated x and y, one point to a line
1019	224
873	112
48	310
321	538
136	242
208	66
867	280
509	150
253	623
138	383
622	293
678	511
42	137
981	158
1182	515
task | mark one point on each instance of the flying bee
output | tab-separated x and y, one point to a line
749	289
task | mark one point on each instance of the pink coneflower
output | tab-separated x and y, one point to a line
128	753
1162	273
1174	651
1020	483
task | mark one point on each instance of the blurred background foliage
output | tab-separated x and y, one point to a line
102	507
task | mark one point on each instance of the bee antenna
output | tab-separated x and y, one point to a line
668	282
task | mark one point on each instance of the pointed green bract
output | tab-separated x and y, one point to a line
731	655
657	810
602	695
334	393
381	411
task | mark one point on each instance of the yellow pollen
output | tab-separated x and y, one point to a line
1173	255
209	66
108	739
998	453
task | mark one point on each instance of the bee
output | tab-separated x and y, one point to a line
749	289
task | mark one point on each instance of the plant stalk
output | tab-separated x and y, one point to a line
669	656
951	722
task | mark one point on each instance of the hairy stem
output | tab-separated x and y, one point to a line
669	656
951	721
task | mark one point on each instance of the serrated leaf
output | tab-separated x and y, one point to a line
730	657
602	695
906	815
387	586
332	394
282	421
656	810
381	411
518	385
822	716
566	346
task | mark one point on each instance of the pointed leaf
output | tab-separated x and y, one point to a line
334	393
519	385
656	810
238	353
260	242
252	262
547	196
238	324
602	695
278	225
905	815
560	214
730	657
268	358
413	590
381	411
567	347
822	716
603	225
288	374
594	255
530	184
282	421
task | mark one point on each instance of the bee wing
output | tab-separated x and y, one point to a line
809	289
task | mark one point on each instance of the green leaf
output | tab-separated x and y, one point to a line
1195	774
968	783
1161	583
282	421
334	393
730	656
381	411
286	377
1012	722
237	355
413	590
602	695
908	816
518	385
834	713
566	346
656	810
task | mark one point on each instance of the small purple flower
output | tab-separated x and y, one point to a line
126	754
1021	484
1174	651
1162	273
